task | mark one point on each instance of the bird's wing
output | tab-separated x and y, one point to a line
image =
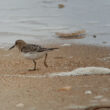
33	48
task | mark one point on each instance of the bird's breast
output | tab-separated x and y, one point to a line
33	55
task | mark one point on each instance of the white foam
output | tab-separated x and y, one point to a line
66	45
84	71
23	76
76	72
76	107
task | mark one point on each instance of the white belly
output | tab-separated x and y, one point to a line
34	55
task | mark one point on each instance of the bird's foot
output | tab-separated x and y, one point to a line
34	69
45	64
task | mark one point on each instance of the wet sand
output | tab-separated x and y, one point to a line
47	93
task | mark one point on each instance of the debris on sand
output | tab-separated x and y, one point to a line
98	97
104	42
76	35
60	6
94	36
97	107
66	88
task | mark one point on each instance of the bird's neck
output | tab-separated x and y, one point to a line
20	46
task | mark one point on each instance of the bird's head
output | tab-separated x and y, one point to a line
19	44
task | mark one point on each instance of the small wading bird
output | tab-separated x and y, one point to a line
32	51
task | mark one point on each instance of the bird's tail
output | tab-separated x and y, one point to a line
52	48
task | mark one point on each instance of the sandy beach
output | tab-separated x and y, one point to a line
66	58
61	93
78	73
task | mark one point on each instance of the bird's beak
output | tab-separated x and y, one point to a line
11	47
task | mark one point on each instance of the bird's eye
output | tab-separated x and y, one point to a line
15	43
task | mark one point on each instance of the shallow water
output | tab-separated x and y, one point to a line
38	20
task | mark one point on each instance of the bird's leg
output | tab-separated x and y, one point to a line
45	63
34	66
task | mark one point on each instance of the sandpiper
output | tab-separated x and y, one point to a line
32	51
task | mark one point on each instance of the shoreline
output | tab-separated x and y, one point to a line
54	42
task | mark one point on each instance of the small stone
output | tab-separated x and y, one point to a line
66	88
88	92
20	105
